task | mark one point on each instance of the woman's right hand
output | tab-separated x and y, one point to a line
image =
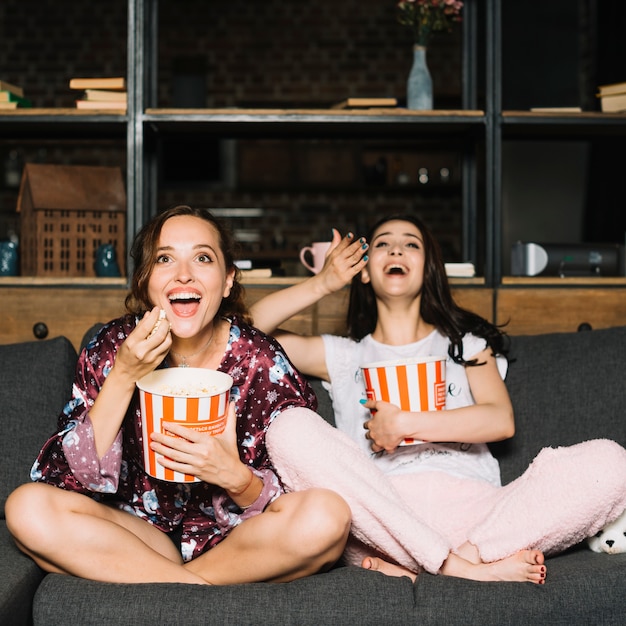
141	352
345	258
145	348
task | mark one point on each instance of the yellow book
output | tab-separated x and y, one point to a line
118	105
118	83
18	91
613	88
105	94
365	103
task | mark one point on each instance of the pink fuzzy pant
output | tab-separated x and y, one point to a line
416	520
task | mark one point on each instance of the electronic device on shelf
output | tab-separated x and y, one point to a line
567	259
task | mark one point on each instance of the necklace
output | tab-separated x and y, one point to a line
189	356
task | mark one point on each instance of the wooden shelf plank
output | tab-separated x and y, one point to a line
374	112
557	281
43	281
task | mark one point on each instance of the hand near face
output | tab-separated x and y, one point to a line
345	258
146	347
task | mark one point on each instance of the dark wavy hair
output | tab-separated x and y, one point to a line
437	305
143	253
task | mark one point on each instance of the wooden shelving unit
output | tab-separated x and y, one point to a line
482	130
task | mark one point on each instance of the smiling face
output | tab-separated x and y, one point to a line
189	276
396	259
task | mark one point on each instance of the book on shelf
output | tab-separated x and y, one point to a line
612	89
8	105
118	83
105	94
260	268
8	96
262	272
252	263
118	105
14	89
366	103
460	270
556	109
614	103
258	272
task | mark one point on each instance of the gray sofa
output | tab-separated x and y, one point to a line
565	388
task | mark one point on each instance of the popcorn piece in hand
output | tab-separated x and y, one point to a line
158	323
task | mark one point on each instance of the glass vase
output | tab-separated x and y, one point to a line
419	88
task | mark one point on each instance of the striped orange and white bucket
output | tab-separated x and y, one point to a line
193	397
413	385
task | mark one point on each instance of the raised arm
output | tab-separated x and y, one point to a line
344	259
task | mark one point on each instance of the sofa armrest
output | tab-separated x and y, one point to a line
19	579
35	383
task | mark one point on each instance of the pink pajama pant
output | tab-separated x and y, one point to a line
416	520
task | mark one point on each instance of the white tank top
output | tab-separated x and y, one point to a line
344	358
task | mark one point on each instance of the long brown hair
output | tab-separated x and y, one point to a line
437	306
143	253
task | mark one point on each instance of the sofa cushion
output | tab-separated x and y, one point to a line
346	595
582	588
35	383
565	388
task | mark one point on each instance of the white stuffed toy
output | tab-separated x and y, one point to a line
612	538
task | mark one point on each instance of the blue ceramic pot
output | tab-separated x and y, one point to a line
105	263
8	258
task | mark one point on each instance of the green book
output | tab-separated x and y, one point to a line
7	96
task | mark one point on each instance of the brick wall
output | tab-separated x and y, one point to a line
245	53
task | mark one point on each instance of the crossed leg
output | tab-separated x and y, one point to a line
69	533
381	520
297	535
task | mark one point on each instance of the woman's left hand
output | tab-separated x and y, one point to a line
386	428
212	459
345	258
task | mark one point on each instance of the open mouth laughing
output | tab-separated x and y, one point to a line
184	302
396	268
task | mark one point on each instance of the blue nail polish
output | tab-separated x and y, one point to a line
362	400
349	235
364	246
366	258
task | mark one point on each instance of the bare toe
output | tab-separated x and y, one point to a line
388	569
524	566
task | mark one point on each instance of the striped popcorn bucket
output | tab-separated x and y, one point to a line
193	397
413	385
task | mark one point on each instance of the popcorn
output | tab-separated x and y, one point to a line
196	398
158	323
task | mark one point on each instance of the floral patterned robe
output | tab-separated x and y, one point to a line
265	384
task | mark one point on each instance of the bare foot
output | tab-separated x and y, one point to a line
389	569
524	566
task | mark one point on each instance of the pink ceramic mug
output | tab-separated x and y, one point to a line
317	251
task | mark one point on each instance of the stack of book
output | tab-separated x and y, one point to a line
612	97
101	93
12	96
460	270
260	268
